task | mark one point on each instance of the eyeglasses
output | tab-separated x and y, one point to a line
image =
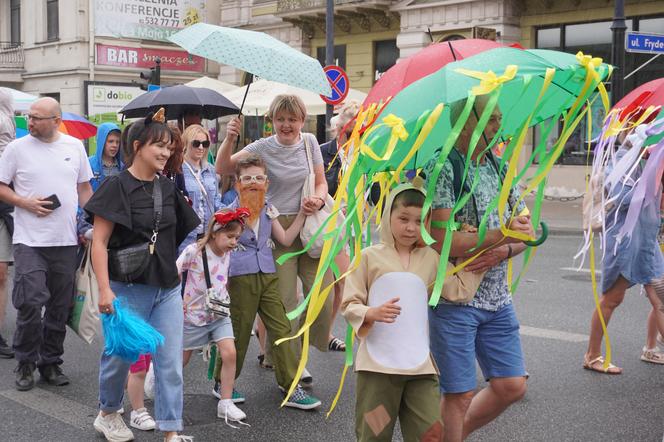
248	179
36	118
196	144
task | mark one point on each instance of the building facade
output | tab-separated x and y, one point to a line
58	47
88	54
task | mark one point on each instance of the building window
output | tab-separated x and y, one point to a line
15	21
52	20
386	54
339	55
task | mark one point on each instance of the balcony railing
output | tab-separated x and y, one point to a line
295	5
11	55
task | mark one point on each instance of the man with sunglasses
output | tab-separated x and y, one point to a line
51	176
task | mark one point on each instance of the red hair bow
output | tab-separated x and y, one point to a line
225	217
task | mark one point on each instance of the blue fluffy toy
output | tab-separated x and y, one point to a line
127	335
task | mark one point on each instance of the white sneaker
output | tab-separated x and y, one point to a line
180	438
148	387
113	428
142	420
226	409
306	380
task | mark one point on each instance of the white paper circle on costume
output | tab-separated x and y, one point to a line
403	344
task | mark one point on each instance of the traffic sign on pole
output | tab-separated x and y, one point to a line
645	43
339	84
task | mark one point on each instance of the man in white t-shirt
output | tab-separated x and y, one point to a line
51	177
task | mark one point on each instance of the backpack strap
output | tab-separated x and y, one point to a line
206	269
501	175
460	186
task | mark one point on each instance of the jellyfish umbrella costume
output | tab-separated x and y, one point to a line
529	87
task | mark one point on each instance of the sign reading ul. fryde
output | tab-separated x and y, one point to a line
146	19
123	56
647	43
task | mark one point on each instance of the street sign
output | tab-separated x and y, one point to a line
646	43
338	83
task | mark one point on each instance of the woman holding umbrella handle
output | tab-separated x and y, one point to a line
287	168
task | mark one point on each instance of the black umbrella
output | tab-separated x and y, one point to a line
178	100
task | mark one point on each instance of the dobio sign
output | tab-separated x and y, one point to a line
104	98
146	19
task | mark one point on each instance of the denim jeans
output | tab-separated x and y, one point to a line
162	308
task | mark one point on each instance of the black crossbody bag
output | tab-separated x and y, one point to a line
219	306
126	264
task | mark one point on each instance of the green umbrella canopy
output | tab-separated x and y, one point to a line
516	100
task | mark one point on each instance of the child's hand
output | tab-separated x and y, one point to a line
387	312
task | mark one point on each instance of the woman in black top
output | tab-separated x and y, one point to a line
123	209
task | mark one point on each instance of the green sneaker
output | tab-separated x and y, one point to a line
302	400
236	397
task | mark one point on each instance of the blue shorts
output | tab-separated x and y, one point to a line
460	333
196	336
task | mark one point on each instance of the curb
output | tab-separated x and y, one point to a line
565	231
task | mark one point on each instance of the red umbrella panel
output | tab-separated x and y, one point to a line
636	102
77	126
425	62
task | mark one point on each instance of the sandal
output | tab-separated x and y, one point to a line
336	344
597	365
653	355
263	364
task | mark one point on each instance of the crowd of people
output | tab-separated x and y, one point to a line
208	270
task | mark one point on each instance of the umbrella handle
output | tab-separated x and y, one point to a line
251	79
539	241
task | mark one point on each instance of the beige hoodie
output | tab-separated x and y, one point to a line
401	347
7	125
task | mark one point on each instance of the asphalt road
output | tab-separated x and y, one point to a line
563	403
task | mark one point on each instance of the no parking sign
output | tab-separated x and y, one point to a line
338	83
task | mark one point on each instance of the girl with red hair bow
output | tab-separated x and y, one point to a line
206	300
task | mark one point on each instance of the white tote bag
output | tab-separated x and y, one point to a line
313	222
84	318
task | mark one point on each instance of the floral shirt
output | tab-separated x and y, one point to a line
493	292
191	260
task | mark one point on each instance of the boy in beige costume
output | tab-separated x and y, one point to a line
385	301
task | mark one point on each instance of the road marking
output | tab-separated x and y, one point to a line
67	411
574	269
558	335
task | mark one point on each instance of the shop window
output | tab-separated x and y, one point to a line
386	54
593	39
52	20
654	25
15	21
548	38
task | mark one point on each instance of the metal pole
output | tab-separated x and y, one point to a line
618	52
329	54
157	72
